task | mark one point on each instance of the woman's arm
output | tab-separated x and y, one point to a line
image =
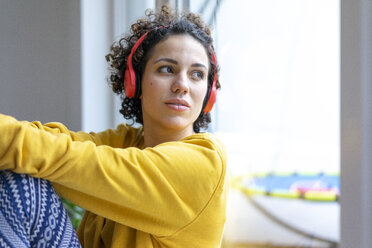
157	190
123	136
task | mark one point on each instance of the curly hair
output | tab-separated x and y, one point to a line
154	23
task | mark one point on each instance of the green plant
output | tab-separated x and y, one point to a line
75	213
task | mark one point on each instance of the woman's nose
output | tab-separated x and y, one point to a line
181	83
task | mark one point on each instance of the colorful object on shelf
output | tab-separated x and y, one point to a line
313	187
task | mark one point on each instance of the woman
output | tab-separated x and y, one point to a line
160	185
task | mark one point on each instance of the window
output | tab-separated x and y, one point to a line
278	112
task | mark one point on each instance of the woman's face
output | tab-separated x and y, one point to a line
174	84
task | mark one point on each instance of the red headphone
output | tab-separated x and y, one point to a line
132	83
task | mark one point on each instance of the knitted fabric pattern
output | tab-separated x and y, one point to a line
32	214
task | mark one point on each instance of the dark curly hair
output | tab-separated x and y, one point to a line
160	25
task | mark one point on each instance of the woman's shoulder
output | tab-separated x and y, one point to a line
199	176
207	141
199	156
206	138
123	136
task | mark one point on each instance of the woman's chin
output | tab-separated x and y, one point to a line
178	124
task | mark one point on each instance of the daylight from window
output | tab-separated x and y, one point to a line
278	114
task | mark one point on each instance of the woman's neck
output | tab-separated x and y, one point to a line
154	137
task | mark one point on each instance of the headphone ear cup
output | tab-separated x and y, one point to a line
129	82
211	96
138	80
206	97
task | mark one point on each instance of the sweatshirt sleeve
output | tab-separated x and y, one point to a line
152	190
123	136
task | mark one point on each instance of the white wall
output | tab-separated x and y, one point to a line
126	13
102	23
356	123
40	60
52	62
96	38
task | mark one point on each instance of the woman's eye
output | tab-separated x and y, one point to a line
166	69
197	74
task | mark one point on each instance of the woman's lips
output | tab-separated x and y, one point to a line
178	104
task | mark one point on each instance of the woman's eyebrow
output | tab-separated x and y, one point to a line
166	59
175	62
198	65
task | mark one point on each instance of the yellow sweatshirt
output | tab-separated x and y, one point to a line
171	195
